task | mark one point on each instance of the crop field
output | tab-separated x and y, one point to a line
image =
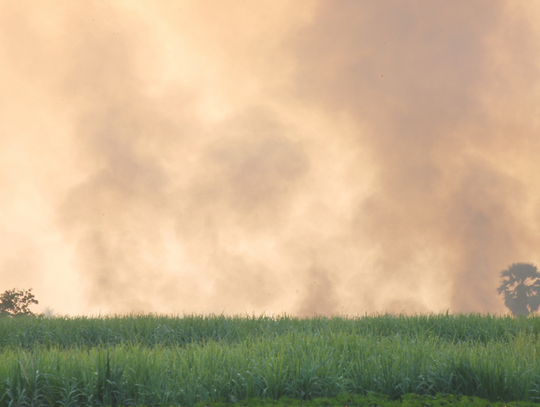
159	360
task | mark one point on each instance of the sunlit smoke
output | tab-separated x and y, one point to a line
309	157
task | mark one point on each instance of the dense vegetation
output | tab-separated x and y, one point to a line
135	360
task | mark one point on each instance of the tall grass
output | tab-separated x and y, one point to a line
164	360
153	330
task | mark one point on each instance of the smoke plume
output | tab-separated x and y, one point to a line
309	157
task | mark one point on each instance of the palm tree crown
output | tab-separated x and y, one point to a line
520	287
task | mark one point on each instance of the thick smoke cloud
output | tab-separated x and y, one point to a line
419	79
311	158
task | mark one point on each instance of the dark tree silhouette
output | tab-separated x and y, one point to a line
520	287
16	302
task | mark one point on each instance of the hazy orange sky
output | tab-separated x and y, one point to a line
307	157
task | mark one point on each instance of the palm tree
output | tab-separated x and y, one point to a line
520	287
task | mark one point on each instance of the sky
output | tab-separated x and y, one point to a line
249	157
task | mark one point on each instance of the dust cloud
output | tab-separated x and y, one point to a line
310	157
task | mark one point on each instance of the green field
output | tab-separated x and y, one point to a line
157	360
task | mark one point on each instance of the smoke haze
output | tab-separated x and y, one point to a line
311	157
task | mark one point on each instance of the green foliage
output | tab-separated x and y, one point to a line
372	400
154	330
16	303
154	360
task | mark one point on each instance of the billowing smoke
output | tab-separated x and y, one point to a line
304	157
